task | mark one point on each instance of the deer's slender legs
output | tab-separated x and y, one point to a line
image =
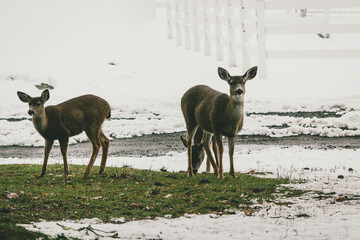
231	142
207	164
214	147
207	157
191	134
94	137
220	150
63	147
207	139
105	148
48	146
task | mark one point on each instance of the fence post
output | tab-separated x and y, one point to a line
195	15
218	31
245	62
230	35
169	16
207	43
260	28
186	25
178	24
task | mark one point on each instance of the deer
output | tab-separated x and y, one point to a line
72	117
217	114
197	151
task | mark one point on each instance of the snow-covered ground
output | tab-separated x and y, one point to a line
326	219
116	50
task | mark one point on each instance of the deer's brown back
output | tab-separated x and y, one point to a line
201	105
76	115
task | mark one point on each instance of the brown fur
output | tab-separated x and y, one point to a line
70	118
216	113
197	151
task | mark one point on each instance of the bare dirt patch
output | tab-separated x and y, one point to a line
161	144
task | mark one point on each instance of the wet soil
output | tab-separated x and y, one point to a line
161	144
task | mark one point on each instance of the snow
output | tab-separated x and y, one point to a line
122	54
116	50
320	169
333	225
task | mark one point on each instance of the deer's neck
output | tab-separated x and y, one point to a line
236	107
40	122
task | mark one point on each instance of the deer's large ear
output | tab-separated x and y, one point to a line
250	74
24	97
184	141
223	74
45	95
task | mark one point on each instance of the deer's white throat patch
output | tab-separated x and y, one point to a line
238	109
238	98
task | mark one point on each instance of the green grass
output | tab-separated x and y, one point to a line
124	192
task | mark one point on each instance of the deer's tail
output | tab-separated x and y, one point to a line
107	108
109	115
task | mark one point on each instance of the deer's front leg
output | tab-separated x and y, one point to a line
220	150
231	142
48	146
63	147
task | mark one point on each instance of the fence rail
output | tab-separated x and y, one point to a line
224	27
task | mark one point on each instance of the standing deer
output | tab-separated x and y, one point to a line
70	118
218	114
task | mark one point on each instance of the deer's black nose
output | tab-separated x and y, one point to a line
239	92
30	112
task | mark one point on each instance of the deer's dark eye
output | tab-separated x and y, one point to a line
232	83
37	104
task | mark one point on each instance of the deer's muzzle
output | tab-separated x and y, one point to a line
30	112
239	91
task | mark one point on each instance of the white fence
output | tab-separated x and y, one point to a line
225	27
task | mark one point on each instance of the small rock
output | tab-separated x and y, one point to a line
43	86
118	220
341	177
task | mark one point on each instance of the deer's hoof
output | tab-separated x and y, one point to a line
42	175
85	175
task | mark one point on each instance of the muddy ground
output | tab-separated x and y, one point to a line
160	144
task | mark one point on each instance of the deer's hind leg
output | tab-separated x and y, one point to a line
214	147
207	139
94	137
105	148
219	153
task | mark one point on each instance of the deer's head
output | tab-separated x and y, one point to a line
197	153
237	83
36	104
